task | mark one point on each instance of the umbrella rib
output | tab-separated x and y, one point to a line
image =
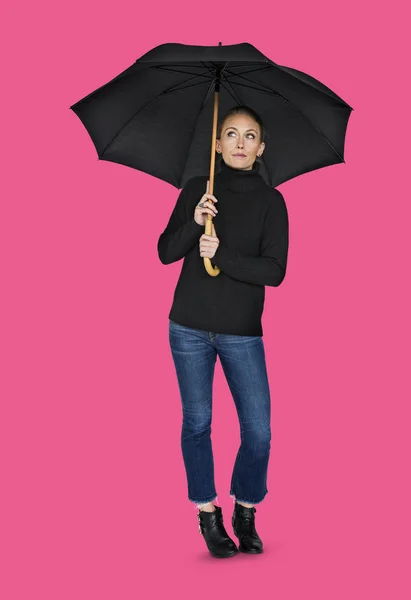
227	85
286	71
250	70
270	91
297	76
166	91
179	71
178	87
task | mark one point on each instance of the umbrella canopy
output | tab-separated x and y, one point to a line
157	115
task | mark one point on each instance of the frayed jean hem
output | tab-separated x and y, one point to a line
203	502
246	500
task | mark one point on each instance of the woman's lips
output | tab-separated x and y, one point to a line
239	155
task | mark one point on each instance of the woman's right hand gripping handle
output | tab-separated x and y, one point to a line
200	212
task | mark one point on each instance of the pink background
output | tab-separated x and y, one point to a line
94	498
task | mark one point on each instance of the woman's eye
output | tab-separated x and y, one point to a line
252	135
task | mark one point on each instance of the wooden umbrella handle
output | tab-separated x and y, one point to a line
213	271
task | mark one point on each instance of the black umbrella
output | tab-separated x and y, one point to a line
160	115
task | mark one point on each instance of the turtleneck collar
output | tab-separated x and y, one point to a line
239	180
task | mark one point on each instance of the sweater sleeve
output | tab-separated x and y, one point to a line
270	266
182	231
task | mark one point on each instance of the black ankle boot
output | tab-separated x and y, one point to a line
243	521
217	540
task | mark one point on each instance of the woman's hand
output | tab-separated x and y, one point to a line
209	243
200	213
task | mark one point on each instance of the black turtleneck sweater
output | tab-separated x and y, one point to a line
252	226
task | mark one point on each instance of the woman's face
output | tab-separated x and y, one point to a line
240	134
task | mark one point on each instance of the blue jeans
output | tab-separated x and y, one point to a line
242	358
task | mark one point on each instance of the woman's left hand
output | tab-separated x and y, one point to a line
209	243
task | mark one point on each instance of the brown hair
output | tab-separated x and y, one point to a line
243	110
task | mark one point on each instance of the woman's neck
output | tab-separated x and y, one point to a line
239	180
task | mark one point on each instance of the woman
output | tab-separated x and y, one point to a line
221	316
